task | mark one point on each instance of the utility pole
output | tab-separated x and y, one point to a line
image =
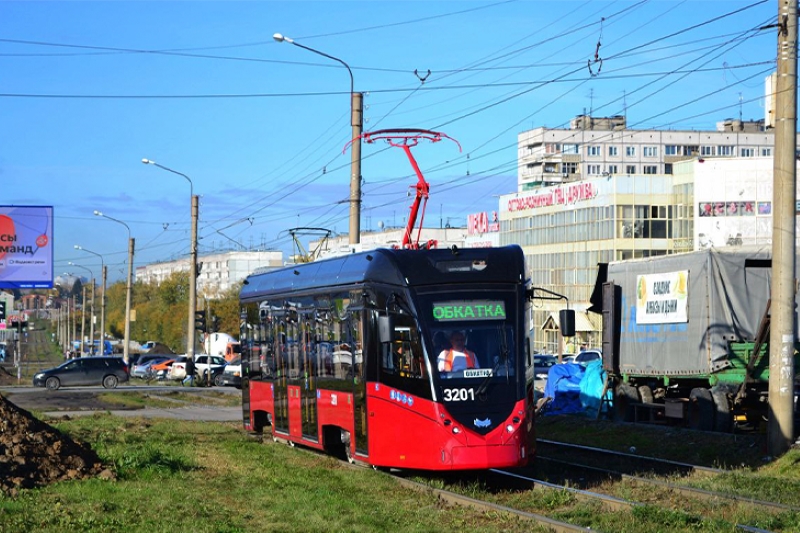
128	290
83	319
103	314
190	330
91	318
782	328
357	115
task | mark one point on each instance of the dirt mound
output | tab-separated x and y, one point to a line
33	453
6	377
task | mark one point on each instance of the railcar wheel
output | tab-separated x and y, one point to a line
701	409
723	417
646	394
624	398
52	383
347	451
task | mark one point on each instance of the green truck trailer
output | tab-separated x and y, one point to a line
686	337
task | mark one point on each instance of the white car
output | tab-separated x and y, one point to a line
201	363
232	374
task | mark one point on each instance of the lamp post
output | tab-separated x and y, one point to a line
190	329
102	299
83	311
129	288
356	121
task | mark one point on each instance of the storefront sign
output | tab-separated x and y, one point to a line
561	195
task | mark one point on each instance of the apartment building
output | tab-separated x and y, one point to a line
216	272
599	146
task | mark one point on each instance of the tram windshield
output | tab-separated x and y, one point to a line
471	338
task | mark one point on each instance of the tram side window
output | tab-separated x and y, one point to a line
293	341
402	362
403	357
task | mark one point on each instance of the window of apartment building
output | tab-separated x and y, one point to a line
593	150
551	168
613	169
667	168
630	169
725	150
612	151
593	170
570	149
671	149
766	152
747	152
651	169
630	151
650	151
707	150
570	168
691	150
530	148
552	148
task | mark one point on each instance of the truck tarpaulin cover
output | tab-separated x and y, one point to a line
726	293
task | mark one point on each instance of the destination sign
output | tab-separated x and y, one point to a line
469	310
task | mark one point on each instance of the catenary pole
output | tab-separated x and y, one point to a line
782	328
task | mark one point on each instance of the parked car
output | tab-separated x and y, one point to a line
541	365
201	363
587	356
232	374
160	370
142	369
100	370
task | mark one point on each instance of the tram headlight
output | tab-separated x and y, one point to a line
510	428
456	430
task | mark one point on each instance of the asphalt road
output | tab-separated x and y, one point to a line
82	401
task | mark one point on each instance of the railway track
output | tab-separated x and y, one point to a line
580	504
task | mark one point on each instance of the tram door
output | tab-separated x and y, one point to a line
355	327
311	364
280	378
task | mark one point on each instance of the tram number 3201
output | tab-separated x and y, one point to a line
459	395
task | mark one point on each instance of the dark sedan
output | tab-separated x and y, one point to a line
105	371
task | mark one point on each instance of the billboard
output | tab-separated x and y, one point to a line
26	247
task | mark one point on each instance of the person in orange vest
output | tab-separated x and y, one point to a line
458	356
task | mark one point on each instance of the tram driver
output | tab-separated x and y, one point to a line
458	357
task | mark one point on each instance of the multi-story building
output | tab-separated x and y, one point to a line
594	147
216	272
386	238
565	230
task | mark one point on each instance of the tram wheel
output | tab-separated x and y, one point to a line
346	444
701	409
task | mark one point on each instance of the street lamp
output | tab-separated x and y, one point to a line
83	311
102	299
129	288
190	329
356	120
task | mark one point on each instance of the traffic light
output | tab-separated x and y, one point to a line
2	310
215	323
200	321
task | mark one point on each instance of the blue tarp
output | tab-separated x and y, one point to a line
574	388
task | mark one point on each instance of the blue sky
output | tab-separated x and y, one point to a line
88	89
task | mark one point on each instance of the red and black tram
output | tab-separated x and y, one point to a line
350	355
